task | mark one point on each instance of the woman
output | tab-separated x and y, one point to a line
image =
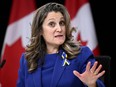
52	59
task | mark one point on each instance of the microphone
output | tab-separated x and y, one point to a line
2	63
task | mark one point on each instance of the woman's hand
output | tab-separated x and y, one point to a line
90	76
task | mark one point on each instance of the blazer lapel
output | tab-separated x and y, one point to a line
58	70
37	78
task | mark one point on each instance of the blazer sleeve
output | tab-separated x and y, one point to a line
86	56
21	73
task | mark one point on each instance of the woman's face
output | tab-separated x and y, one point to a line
54	29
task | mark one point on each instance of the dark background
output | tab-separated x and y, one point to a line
102	12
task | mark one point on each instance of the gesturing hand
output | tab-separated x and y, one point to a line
90	76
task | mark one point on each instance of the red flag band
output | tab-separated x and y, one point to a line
81	18
15	41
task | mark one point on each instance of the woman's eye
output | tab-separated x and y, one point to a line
52	24
62	23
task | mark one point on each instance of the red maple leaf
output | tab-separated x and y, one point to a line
80	39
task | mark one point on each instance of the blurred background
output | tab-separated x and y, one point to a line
102	17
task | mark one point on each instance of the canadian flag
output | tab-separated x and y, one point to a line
16	39
81	19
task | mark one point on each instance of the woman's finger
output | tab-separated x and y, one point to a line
76	73
94	67
98	69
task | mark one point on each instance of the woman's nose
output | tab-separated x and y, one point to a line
59	28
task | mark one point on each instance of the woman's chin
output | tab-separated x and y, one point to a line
60	42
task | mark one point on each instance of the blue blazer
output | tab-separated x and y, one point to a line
62	75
